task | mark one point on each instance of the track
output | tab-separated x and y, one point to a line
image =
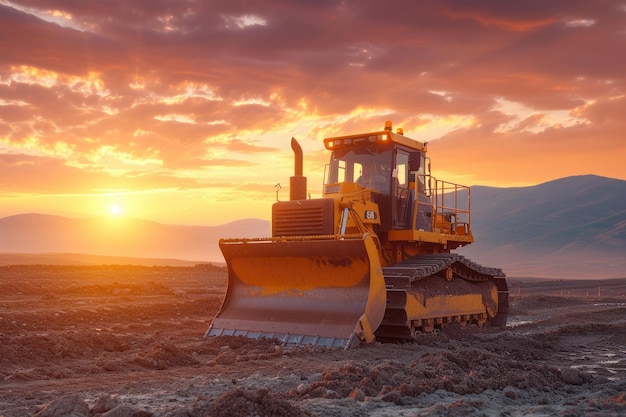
429	291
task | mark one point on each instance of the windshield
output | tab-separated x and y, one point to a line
362	166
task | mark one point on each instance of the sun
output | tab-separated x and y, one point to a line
116	210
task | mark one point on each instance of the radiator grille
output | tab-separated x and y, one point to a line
302	218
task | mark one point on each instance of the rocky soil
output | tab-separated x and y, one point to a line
117	341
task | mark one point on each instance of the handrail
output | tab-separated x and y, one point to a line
449	204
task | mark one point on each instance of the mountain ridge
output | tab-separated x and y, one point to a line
577	224
569	227
128	237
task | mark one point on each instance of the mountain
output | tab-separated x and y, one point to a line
128	237
573	227
87	259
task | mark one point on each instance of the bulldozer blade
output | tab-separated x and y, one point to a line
322	290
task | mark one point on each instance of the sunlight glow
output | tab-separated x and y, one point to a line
435	126
527	119
180	118
444	94
58	17
168	23
113	160
248	101
116	210
580	23
90	84
244	21
32	76
180	93
363	54
19	103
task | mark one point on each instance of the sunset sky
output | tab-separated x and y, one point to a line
182	111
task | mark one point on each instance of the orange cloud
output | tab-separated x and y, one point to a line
203	96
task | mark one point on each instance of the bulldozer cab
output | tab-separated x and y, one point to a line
393	171
369	170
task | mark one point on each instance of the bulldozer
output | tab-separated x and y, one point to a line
372	259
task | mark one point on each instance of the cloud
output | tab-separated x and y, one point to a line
165	93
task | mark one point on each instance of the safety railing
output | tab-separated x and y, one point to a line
448	203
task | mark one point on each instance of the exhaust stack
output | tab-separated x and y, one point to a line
297	183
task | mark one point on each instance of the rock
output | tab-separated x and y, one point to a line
175	413
330	394
105	403
226	357
510	392
384	390
393	396
143	413
572	376
357	394
68	406
302	389
120	411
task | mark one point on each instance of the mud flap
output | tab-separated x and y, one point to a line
322	290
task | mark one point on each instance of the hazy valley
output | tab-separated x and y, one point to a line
573	227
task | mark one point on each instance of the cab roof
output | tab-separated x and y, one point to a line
383	136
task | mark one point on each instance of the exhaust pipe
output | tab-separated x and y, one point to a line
297	183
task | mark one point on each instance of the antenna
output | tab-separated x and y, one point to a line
278	188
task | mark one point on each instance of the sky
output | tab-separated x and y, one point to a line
182	111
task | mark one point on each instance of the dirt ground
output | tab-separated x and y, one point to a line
120	341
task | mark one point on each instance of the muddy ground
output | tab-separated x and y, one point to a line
129	341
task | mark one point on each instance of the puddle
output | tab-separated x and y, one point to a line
515	322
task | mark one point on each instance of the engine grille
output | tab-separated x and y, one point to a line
302	218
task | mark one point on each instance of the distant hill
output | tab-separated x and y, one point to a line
573	227
86	259
128	237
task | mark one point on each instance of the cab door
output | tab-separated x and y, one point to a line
402	195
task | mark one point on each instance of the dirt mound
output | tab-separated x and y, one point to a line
259	403
126	341
163	356
471	372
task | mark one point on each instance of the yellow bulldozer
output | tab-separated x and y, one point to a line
370	260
